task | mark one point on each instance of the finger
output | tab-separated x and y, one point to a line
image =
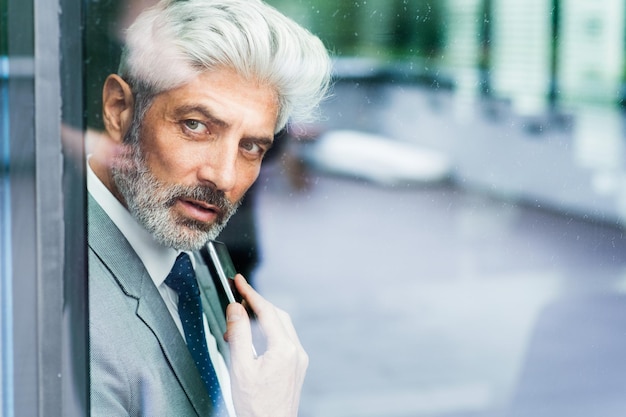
275	323
238	334
288	325
252	299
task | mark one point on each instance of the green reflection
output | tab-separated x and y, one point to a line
375	28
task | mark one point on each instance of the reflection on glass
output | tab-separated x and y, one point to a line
478	291
498	290
463	51
591	51
521	49
6	354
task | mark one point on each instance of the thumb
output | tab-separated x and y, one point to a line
238	333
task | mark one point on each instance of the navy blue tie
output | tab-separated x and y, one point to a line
182	279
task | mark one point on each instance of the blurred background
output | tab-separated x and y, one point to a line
448	237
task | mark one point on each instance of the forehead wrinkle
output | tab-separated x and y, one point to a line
204	110
206	113
210	96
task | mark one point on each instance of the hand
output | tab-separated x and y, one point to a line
270	385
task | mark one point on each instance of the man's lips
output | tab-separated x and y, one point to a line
199	210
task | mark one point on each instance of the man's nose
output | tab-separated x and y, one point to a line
220	167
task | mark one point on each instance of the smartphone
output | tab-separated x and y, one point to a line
224	269
221	264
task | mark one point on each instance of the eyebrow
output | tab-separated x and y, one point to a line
206	113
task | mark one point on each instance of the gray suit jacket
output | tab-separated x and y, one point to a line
139	362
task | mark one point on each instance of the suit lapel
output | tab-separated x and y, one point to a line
113	249
212	306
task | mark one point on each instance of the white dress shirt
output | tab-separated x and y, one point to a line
158	261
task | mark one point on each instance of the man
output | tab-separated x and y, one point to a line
203	87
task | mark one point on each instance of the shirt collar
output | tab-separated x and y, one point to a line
157	259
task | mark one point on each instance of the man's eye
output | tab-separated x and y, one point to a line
253	148
195	126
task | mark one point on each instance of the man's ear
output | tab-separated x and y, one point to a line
117	107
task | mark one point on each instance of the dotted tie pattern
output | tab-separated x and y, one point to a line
182	279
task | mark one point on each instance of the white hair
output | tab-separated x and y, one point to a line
172	43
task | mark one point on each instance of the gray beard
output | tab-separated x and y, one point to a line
150	202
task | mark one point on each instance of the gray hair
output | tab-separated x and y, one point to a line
173	42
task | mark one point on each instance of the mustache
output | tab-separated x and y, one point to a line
131	160
202	193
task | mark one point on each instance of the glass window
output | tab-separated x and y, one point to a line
5	224
448	237
43	359
18	210
456	246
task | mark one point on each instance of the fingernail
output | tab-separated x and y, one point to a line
233	317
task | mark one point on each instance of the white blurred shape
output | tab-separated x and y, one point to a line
377	158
